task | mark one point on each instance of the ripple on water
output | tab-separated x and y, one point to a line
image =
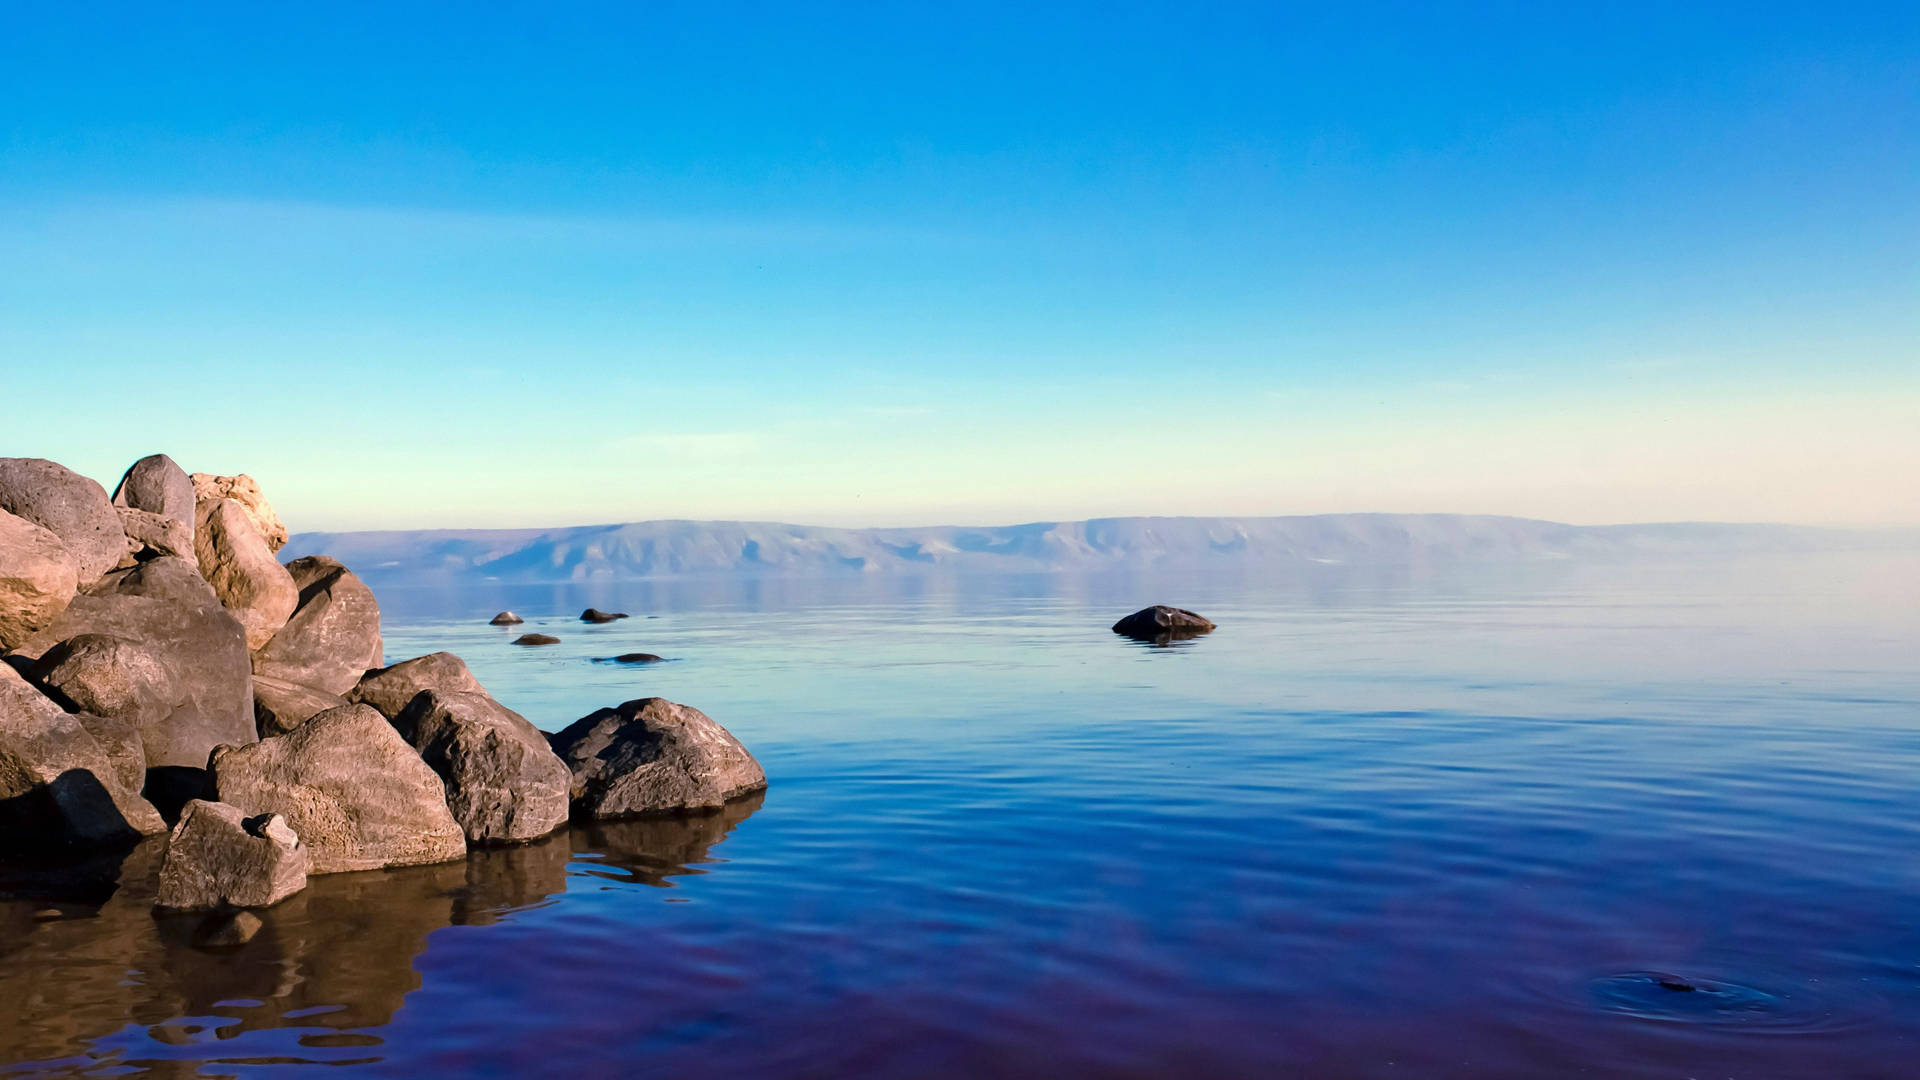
1672	998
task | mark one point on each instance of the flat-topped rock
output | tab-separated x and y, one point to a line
1161	622
218	857
69	506
355	792
652	756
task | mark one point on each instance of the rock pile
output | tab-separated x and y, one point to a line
161	665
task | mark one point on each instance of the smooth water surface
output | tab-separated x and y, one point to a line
1553	820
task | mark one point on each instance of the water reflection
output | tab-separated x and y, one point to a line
91	980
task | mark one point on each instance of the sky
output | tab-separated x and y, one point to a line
520	264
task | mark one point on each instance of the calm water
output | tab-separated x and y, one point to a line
1453	824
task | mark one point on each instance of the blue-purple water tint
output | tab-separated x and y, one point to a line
1655	820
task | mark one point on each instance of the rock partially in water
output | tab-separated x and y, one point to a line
504	783
60	789
333	636
245	491
652	756
280	706
219	857
156	485
1162	623
536	639
505	618
38	579
355	792
69	506
227	930
595	615
236	560
631	658
389	689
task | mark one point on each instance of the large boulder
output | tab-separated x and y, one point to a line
108	676
237	562
1162	623
151	536
280	706
653	756
334	634
390	689
219	857
158	486
69	506
357	794
166	608
38	577
504	783
60	790
243	490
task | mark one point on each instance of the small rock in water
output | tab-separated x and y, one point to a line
536	639
505	618
595	615
633	658
227	931
1676	984
1162	623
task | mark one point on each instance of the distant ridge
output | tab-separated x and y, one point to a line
651	549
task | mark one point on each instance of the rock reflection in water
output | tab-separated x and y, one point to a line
90	978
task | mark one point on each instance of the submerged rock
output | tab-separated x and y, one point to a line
69	506
595	615
60	789
156	485
38	579
280	706
333	636
504	783
1160	622
227	930
236	561
389	689
653	756
219	857
243	490
631	658
505	618
536	639
355	792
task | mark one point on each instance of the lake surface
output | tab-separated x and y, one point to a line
1552	820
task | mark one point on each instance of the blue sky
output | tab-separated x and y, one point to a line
517	264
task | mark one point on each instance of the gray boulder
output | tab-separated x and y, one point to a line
333	637
355	792
237	562
280	706
504	783
38	578
652	756
151	536
156	485
69	506
166	608
219	857
1161	623
108	676
59	788
243	490
390	689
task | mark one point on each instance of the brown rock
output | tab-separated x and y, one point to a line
333	637
156	485
219	857
355	792
150	536
280	706
389	689
652	756
69	506
536	639
38	577
59	788
243	490
237	562
504	784
1162	623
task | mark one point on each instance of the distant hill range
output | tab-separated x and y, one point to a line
689	548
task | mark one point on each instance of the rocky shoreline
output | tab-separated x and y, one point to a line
164	673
